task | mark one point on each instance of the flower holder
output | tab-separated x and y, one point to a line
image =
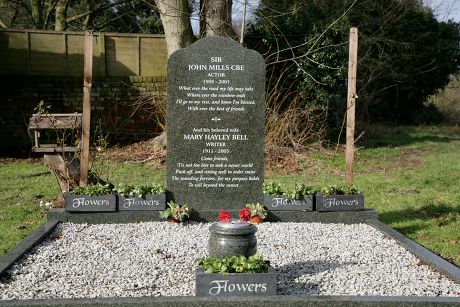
86	203
339	202
235	284
149	202
282	203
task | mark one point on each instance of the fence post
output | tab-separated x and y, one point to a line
86	117
351	99
138	55
102	67
65	53
28	51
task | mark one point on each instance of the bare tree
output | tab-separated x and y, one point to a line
175	16
61	15
215	19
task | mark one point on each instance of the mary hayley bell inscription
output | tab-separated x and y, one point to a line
215	119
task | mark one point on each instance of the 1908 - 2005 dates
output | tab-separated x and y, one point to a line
219	81
216	151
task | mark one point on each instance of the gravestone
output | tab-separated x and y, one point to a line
215	119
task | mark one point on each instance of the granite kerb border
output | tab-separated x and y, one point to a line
26	245
268	301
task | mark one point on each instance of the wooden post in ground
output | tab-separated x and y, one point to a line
243	22
351	100
86	117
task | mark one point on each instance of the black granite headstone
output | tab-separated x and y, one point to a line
215	119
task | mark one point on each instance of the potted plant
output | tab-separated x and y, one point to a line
235	276
141	197
91	198
176	213
339	198
257	213
297	198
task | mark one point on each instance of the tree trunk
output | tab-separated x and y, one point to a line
175	16
37	13
61	15
216	18
88	18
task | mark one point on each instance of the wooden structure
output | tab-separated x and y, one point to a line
35	52
53	122
87	84
351	105
58	156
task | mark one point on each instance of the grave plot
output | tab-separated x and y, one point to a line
215	162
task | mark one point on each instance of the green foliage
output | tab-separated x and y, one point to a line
299	190
24	184
404	56
235	264
295	192
272	188
176	212
257	209
139	190
92	190
339	189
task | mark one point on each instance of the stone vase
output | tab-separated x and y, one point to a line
232	239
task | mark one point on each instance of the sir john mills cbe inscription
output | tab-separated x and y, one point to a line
215	118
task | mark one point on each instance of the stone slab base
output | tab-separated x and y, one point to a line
270	301
346	217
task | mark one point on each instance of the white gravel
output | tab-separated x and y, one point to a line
158	258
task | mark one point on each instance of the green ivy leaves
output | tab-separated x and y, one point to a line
235	264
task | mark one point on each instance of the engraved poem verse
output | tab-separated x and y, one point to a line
215	127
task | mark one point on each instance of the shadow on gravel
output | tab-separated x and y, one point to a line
293	278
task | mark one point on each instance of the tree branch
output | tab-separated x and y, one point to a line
2	24
98	8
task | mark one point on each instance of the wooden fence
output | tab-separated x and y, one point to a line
34	52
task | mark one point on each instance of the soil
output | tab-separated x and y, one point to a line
281	160
410	157
4	160
144	151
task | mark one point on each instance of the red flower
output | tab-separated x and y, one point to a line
225	216
245	214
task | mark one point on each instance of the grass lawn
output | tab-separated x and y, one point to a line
23	184
409	175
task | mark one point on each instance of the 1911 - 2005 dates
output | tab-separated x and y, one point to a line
216	151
